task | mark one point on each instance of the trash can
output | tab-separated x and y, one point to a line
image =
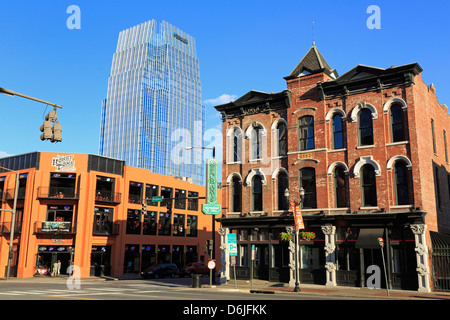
196	280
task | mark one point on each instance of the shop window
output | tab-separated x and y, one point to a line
149	225
164	224
103	220
193	203
2	187
308	182
132	258
62	185
104	190
365	127
150	192
135	192
180	199
148	256
306	133
368	186
164	254
191	226
178	225
59	219
191	254
133	221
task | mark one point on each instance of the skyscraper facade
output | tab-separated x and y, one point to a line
153	108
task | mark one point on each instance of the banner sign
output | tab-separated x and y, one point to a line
232	243
298	219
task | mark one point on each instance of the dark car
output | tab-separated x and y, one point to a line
160	271
194	268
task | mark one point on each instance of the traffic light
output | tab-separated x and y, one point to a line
52	132
57	132
144	206
209	246
169	207
46	128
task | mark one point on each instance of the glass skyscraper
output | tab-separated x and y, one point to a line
153	108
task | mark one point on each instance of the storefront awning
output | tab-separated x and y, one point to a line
368	238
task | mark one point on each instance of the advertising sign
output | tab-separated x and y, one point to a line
298	219
232	243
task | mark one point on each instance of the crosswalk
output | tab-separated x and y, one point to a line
144	291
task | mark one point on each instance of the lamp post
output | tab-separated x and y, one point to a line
213	251
13	221
302	196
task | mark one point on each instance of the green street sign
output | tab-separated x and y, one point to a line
211	181
157	199
211	209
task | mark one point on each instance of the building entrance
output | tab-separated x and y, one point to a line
48	255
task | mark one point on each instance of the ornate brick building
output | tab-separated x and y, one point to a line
369	149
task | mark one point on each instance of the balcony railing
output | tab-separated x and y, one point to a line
108	229
108	196
52	227
5	227
57	193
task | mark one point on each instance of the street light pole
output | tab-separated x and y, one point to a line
297	273
213	251
13	222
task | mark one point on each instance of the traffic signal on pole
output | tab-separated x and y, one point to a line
52	132
47	130
209	246
144	205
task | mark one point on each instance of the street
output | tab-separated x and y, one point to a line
139	289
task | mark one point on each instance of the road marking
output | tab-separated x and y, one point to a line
67	297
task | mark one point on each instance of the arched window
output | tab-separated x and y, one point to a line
236	194
236	145
282	139
340	188
282	184
257	203
308	182
365	127
397	127
368	186
401	183
338	136
306	133
256	141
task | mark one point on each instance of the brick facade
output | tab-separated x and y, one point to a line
315	90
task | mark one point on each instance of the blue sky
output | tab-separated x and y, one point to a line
241	46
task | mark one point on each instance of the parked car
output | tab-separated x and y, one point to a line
160	271
194	268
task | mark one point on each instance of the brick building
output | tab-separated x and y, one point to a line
369	149
87	211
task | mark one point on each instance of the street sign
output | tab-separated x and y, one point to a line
211	264
253	252
211	209
157	199
232	243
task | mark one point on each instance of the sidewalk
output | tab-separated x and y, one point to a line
265	287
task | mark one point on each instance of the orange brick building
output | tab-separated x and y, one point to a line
86	210
370	150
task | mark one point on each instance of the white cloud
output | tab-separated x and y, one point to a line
225	98
4	154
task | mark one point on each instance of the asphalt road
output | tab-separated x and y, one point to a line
160	289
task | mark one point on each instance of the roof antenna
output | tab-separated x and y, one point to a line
314	43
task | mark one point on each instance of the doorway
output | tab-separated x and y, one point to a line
48	255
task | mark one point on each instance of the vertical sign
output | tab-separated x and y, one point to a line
298	219
232	243
211	181
211	207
